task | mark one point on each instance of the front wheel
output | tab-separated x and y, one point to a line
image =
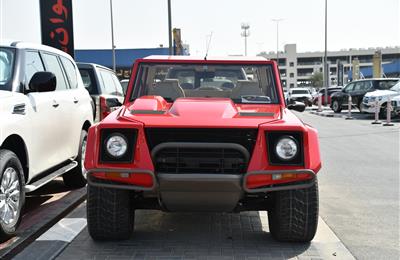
12	195
336	107
110	214
294	215
76	178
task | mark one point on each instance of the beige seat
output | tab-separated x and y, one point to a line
244	88
168	88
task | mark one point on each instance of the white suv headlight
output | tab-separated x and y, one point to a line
286	148
116	145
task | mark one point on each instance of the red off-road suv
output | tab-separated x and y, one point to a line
203	135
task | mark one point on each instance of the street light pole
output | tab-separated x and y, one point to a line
326	70
245	34
112	37
169	27
277	38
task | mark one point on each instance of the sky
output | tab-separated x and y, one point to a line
144	24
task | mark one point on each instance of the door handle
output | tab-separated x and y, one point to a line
76	100
55	104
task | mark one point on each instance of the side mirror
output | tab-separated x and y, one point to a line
43	81
113	102
297	106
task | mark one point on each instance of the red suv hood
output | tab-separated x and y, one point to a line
154	111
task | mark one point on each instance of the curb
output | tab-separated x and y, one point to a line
51	243
40	220
325	115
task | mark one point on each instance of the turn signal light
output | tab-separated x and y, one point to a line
284	176
138	179
116	175
259	180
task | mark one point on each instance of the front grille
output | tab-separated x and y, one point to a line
200	160
184	150
245	137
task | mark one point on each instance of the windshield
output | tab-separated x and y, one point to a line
89	81
242	84
124	84
384	84
6	68
300	91
396	87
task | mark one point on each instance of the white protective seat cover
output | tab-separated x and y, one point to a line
168	88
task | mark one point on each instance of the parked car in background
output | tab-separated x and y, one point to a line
124	84
381	96
357	90
321	92
45	114
396	105
103	86
286	96
313	91
212	146
301	95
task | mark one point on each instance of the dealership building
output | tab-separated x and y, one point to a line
296	68
124	58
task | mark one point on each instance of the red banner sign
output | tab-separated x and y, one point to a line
57	24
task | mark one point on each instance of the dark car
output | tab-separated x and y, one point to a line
357	90
322	92
104	88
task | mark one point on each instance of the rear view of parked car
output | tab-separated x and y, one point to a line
321	92
104	88
45	115
357	90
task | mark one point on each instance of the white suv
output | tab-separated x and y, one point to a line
45	113
380	96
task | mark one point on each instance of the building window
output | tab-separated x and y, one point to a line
292	85
291	75
291	64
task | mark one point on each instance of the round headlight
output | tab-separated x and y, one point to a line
116	145
286	148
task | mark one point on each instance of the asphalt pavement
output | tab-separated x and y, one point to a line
359	183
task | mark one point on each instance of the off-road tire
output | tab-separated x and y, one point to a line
337	108
110	214
294	215
9	159
76	177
